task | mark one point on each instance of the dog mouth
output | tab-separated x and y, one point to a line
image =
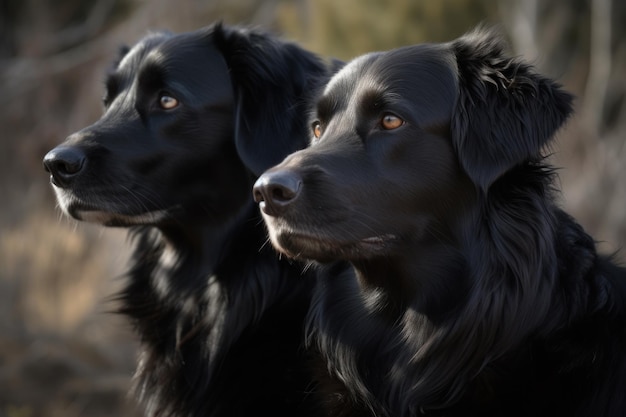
107	214
113	219
321	246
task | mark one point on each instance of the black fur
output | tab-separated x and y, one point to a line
219	315
471	292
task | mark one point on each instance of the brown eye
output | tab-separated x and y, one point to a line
390	122
167	102
317	129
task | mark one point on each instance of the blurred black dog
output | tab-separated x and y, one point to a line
472	293
191	120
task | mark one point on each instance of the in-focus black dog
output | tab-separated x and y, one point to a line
472	293
191	120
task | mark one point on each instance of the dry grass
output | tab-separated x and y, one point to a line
56	270
61	352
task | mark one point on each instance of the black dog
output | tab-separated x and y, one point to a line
472	293
191	120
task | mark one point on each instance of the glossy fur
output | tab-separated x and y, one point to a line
219	315
470	292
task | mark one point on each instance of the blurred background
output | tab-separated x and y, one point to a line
62	352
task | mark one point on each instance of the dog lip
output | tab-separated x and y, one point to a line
88	211
323	247
114	219
380	239
375	244
372	240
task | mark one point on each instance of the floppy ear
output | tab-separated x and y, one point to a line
274	83
505	113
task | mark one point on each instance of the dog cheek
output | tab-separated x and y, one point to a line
416	182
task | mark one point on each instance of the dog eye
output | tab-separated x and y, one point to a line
391	121
167	102
317	129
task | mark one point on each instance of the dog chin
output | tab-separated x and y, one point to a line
324	249
120	220
78	209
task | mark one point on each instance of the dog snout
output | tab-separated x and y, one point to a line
64	163
275	191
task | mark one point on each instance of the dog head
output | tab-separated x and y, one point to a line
190	120
402	142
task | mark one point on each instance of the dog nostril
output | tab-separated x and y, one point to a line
64	163
257	194
280	193
276	190
67	168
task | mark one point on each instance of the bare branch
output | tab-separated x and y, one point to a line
599	64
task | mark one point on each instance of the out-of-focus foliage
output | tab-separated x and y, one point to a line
61	352
350	27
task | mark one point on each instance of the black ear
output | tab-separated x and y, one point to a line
505	113
274	82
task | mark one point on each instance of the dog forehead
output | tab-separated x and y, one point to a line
187	64
351	73
137	54
193	51
409	64
416	69
339	91
423	78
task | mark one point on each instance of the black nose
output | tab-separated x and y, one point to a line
275	191
64	163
